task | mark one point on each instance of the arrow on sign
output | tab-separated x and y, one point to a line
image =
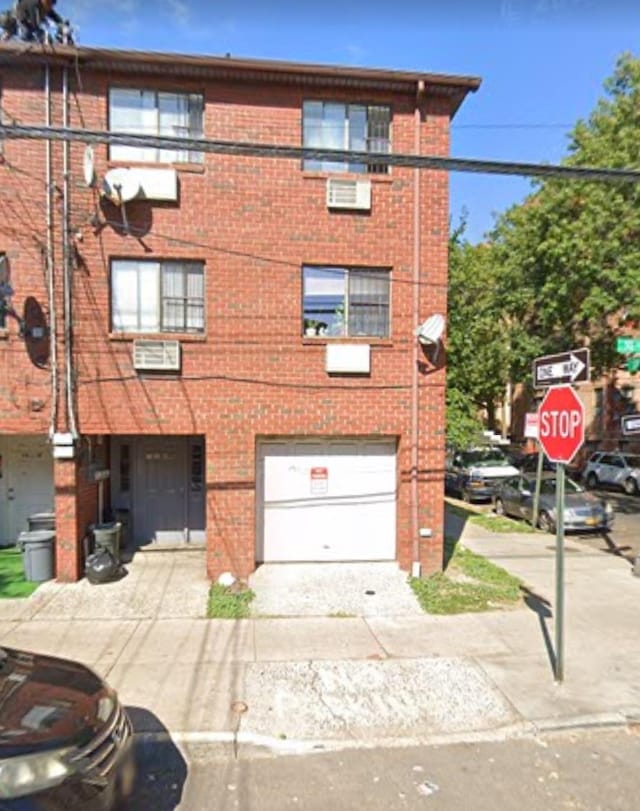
569	368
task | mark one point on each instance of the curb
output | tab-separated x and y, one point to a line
255	745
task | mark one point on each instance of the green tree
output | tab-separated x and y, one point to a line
477	350
569	255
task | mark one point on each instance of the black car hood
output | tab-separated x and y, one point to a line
46	703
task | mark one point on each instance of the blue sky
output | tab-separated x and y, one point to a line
542	62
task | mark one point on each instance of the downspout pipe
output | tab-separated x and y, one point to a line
66	262
49	259
415	393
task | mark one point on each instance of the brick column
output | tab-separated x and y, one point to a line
68	539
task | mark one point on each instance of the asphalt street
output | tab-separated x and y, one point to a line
583	771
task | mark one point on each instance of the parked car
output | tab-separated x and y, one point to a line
529	465
474	473
65	740
614	469
582	510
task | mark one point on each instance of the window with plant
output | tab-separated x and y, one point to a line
345	301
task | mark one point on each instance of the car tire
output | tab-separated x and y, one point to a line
630	486
545	523
498	508
592	480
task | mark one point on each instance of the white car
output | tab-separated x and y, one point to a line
614	468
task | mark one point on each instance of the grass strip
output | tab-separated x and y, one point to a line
470	583
12	580
229	602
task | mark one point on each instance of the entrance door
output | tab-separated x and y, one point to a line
27	481
161	502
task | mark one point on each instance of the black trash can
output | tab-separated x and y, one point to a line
39	521
107	536
37	554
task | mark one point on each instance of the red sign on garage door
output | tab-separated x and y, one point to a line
319	480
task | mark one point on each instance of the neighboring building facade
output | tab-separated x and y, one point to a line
230	337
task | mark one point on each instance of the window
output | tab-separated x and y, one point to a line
345	301
359	127
157	296
147	112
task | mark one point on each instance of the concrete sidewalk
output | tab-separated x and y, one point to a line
351	680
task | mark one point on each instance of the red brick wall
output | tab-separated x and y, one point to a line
254	222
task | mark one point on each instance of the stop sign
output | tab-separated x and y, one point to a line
561	423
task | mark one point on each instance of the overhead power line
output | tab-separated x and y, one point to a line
245	149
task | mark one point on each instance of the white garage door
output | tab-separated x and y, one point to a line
326	501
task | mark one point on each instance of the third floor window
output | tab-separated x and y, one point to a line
356	127
148	112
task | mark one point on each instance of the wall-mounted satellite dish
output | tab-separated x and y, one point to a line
431	330
120	185
88	167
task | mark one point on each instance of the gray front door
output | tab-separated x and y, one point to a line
161	502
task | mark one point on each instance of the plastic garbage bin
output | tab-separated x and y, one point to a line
39	521
37	554
107	536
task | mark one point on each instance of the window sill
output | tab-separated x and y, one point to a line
187	168
375	178
183	337
322	340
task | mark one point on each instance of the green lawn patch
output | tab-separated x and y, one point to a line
12	582
498	523
229	602
470	583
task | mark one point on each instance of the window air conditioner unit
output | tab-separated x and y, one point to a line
347	193
157	355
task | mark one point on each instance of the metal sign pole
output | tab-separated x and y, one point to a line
559	606
536	495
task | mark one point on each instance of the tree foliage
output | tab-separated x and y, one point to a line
569	255
559	270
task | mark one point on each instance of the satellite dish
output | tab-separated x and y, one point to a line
88	167
120	185
431	330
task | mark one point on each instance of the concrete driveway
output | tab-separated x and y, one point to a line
332	589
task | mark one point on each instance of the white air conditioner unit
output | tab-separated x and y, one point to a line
156	355
157	184
347	193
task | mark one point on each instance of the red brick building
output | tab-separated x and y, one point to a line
231	337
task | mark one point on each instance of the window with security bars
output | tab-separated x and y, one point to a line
339	301
355	127
151	296
154	113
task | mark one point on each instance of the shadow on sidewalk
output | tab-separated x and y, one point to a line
161	769
542	608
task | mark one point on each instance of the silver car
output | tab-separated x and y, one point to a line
582	510
614	469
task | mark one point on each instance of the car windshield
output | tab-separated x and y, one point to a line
548	486
484	457
632	461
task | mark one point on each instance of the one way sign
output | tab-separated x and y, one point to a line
566	367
